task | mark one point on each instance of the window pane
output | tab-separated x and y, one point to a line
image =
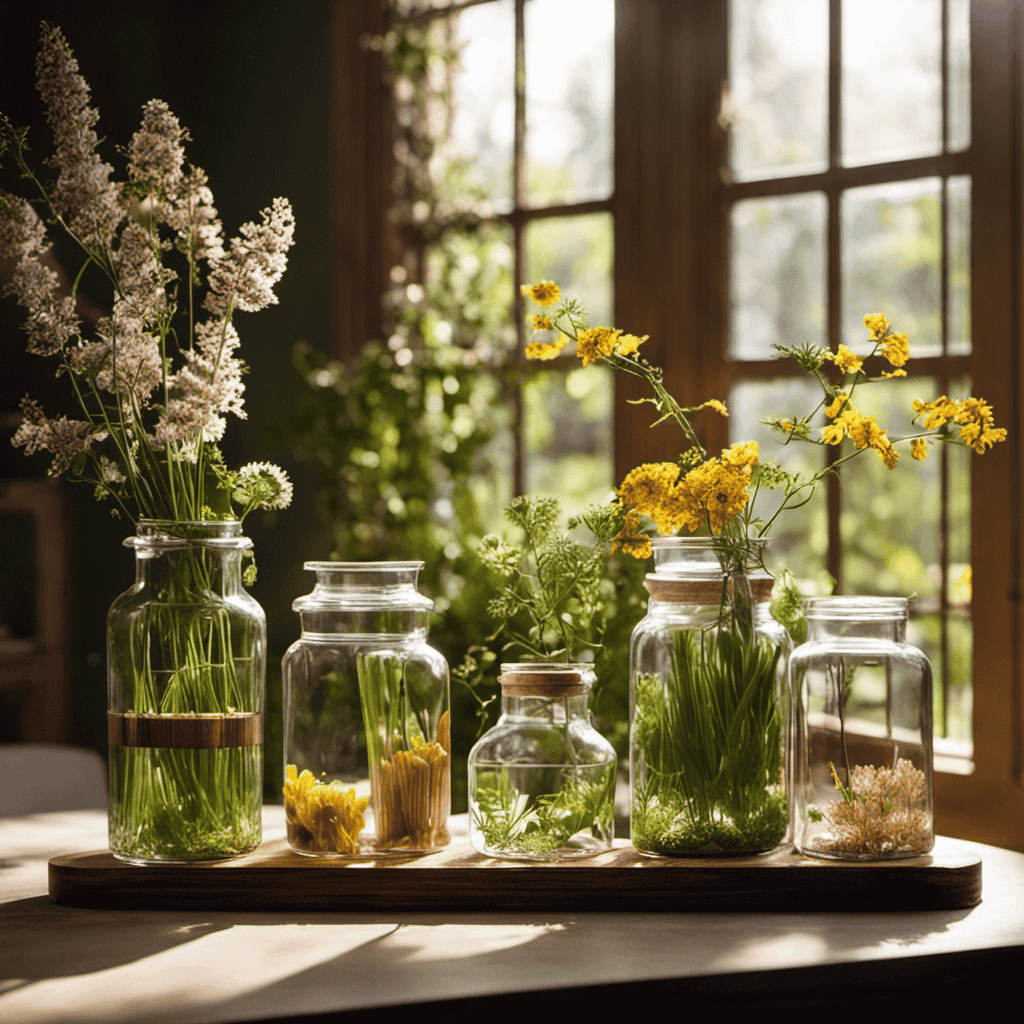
959	71
777	274
575	252
570	62
778	74
799	538
891	260
484	102
567	436
958	217
889	519
892	80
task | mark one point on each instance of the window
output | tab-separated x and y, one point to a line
854	161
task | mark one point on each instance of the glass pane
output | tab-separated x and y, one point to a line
576	253
799	538
567	436
778	74
891	260
889	519
892	80
959	71
958	218
483	128
570	63
777	274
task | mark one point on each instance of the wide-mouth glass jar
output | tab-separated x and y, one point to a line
863	765
708	709
186	656
367	734
542	781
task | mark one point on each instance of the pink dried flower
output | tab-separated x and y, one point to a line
67	439
84	195
51	314
244	277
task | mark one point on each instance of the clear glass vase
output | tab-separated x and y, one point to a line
863	765
542	781
708	711
186	654
367	723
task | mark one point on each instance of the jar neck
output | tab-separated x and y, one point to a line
406	622
176	571
706	558
556	710
853	618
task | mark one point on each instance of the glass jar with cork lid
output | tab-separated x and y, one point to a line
542	781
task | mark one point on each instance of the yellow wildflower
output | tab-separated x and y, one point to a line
630	540
719	407
834	432
629	343
918	449
742	455
887	452
894	373
895	348
646	487
877	324
977	424
716	490
935	413
546	349
544	293
846	360
842	397
596	343
541	322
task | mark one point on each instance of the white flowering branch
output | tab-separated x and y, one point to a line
152	384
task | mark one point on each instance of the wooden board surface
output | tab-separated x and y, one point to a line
274	877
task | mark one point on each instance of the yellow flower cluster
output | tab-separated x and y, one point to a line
863	430
896	349
710	494
544	293
322	818
546	349
541	322
973	415
846	360
718	406
595	343
877	324
630	539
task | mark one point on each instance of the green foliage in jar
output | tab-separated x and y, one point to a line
720	791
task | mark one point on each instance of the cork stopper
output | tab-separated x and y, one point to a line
523	683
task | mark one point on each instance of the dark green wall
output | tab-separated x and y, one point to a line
250	82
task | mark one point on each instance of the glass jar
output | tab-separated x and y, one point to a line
863	701
708	711
542	781
186	654
367	725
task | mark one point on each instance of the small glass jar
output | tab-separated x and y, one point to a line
708	711
186	657
542	781
863	703
367	724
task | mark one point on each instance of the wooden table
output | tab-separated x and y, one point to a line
67	964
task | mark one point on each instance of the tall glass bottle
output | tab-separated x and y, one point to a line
863	767
186	653
708	721
542	781
367	735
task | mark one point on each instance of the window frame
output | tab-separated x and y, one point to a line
671	280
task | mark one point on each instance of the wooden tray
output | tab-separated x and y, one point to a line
275	878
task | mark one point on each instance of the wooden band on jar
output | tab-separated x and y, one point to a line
541	684
194	732
701	591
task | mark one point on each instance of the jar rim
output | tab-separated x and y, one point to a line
184	533
856	607
366	567
545	667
